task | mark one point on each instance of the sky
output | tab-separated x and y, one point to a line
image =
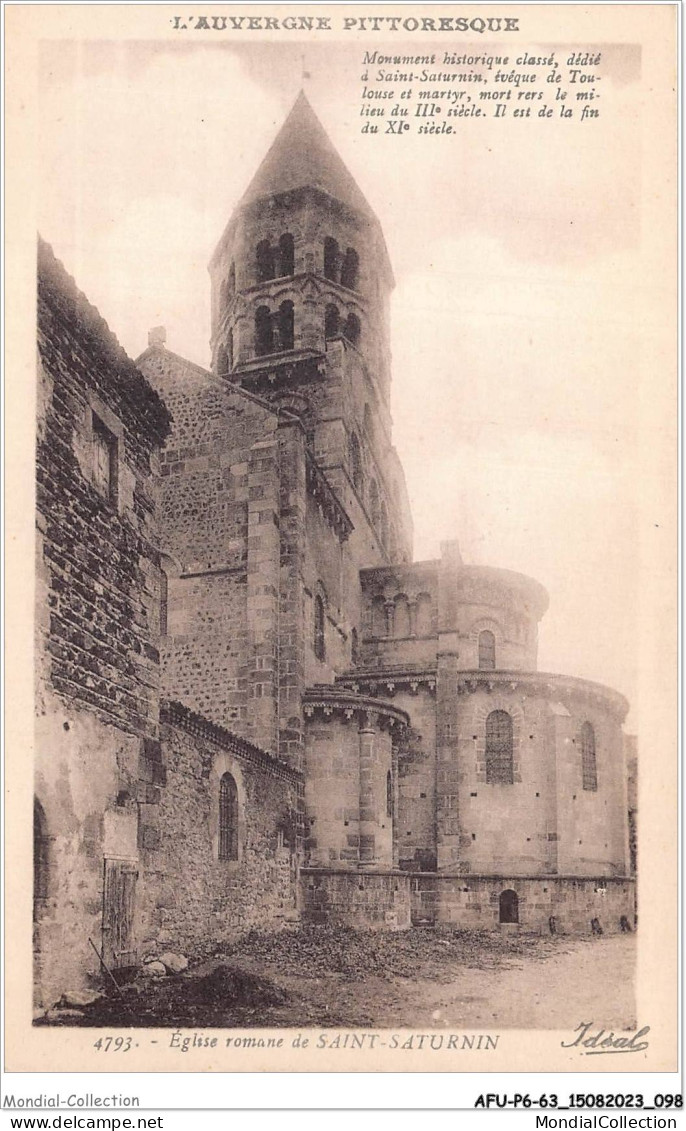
516	319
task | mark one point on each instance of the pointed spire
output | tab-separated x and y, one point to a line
302	154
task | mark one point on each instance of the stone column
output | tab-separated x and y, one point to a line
390	618
376	762
292	517
263	593
448	773
367	800
412	610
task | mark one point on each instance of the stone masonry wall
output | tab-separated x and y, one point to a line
188	895
97	558
220	503
473	902
377	899
96	625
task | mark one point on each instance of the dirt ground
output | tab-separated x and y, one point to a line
322	977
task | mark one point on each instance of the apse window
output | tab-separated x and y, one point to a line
486	651
499	749
104	459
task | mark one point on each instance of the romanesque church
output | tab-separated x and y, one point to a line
254	707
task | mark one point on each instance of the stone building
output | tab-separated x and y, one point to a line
253	705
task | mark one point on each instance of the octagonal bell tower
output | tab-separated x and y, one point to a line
302	263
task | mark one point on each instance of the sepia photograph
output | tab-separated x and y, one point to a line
354	531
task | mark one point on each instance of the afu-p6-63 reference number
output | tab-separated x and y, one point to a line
577	1100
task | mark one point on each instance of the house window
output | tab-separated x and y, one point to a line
104	459
319	637
486	650
228	818
286	255
499	749
350	269
588	761
331	257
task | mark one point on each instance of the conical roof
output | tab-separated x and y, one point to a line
300	155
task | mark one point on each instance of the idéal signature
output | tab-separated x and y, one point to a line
604	1041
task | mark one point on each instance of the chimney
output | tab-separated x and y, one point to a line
157	336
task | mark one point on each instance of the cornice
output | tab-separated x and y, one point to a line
387	682
547	684
330	701
177	714
327	500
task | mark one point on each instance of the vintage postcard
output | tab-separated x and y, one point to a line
341	396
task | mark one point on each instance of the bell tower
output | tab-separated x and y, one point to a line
301	263
301	284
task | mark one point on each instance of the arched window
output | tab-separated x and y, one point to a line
350	269
588	761
499	749
331	258
374	502
228	818
389	794
222	362
40	859
286	255
508	905
319	629
355	454
332	322
286	326
231	285
486	650
265	261
354	647
352	329
164	603
264	334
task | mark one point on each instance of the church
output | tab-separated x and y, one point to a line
254	708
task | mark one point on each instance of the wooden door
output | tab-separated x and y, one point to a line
118	907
